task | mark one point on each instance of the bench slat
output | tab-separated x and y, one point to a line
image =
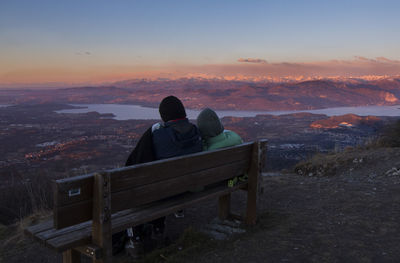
73	214
35	229
45	230
130	177
52	233
73	189
71	240
170	206
156	191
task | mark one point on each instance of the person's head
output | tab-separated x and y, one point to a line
171	108
209	124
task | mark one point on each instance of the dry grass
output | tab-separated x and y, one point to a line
389	136
332	163
23	195
12	237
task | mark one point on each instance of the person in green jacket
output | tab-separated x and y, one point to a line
214	136
212	131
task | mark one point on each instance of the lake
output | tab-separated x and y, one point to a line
128	112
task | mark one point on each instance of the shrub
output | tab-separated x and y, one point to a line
388	137
24	194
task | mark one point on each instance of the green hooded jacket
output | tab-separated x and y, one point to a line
225	139
213	133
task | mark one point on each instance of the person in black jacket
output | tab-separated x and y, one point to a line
175	136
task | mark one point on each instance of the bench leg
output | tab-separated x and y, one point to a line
101	225
252	183
71	256
224	206
251	211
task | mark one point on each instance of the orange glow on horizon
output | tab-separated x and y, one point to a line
249	69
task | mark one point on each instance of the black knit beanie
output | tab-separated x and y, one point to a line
171	108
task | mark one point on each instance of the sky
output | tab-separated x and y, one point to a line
97	41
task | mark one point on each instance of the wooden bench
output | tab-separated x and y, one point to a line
88	209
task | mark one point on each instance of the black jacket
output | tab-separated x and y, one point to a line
176	138
170	139
143	151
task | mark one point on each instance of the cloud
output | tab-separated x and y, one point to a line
386	60
363	59
376	60
252	60
358	66
85	53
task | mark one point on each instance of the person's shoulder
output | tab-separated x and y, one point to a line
232	134
156	126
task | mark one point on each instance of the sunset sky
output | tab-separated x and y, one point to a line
75	42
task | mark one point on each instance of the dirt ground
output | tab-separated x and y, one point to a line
309	219
352	215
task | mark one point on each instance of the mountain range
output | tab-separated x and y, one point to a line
219	94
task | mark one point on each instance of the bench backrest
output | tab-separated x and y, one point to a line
140	184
